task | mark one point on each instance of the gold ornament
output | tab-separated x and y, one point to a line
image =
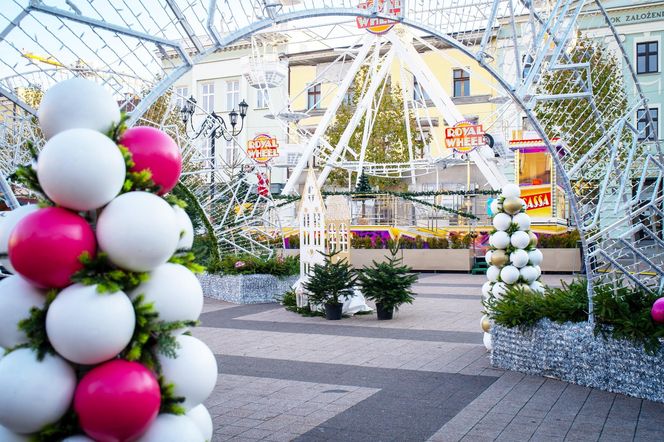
499	258
533	239
486	324
512	205
525	287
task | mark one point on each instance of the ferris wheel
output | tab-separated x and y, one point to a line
549	60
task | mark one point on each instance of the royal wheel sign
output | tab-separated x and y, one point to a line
263	148
464	137
379	26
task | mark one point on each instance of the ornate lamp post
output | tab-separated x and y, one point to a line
213	126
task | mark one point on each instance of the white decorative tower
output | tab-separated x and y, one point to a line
513	257
337	220
311	218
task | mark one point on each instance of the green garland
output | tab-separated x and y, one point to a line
409	196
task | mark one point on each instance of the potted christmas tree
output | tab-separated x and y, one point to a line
388	284
328	283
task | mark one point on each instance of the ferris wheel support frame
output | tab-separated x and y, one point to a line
329	115
445	105
360	110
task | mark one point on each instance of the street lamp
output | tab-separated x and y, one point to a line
213	126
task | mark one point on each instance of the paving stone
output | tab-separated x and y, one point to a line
424	375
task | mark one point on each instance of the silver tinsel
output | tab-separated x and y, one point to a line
245	289
571	352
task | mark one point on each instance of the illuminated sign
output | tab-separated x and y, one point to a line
379	25
464	137
263	148
537	201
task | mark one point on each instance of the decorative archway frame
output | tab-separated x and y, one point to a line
609	246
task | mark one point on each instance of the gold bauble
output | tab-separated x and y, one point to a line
486	324
499	258
512	205
533	239
525	287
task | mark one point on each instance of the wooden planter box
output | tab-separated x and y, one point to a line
561	260
245	289
571	352
441	260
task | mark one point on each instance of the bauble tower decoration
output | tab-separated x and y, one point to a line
92	322
513	258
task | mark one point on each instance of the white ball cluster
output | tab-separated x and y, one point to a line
513	260
80	169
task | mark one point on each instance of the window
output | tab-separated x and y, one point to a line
207	97
348	96
647	131
231	152
293	158
314	96
419	94
461	83
647	55
534	168
232	94
261	98
181	95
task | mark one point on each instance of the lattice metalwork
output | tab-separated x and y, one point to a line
533	50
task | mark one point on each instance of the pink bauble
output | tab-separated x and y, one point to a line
45	246
657	311
153	149
117	401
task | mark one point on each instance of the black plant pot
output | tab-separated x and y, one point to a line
384	313
333	311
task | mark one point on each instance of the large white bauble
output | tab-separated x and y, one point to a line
501	240
487	256
78	438
511	191
7	225
486	288
81	169
201	417
502	221
175	291
492	273
520	240
519	258
535	257
494	207
522	220
487	341
537	287
186	229
193	371
509	274
172	428
139	231
17	297
538	269
499	290
10	436
77	103
34	393
529	274
87	327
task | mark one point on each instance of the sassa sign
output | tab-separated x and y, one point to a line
537	201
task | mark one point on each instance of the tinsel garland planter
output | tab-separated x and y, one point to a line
245	289
571	352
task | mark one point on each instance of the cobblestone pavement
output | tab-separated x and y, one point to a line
423	376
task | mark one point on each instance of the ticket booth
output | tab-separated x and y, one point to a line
536	175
